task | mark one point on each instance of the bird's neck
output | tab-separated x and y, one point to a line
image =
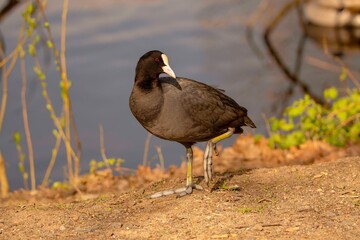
147	82
146	100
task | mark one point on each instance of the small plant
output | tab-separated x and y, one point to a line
338	123
244	210
225	186
111	163
61	185
21	165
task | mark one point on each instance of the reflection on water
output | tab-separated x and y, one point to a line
205	40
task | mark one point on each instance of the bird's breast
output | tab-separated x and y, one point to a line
145	107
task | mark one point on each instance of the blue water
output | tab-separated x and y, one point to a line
204	40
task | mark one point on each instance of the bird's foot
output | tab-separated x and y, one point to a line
208	168
188	190
181	192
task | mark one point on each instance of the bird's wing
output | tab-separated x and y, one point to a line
209	106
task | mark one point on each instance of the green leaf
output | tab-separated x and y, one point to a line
283	125
257	138
31	22
22	53
17	137
39	73
311	112
330	93
55	133
111	161
30	8
354	133
342	116
337	124
50	44
274	123
343	74
295	111
100	164
36	39
32	49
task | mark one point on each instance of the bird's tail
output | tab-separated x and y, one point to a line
248	122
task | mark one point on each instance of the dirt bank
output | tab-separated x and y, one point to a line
319	201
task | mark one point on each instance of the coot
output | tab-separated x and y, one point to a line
183	110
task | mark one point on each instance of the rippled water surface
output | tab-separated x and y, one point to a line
204	40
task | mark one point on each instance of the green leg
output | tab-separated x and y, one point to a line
208	169
189	174
211	145
189	180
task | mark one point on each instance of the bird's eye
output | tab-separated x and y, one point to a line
157	59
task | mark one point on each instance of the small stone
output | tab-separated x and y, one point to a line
62	228
304	209
250	238
257	227
347	223
340	186
317	176
330	214
117	225
292	229
220	236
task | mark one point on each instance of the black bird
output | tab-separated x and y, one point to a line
183	110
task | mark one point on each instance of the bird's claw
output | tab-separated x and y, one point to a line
208	168
181	192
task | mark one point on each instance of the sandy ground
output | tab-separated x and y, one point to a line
319	201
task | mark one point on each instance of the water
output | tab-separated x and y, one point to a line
204	40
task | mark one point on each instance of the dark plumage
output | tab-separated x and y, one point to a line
180	109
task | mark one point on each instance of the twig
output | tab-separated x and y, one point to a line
4	93
341	63
26	125
299	55
6	73
102	147
267	124
161	158
54	153
300	11
353	117
323	65
21	165
9	56
53	114
76	136
50	36
146	149
3	178
63	39
243	226
73	173
271	225
348	72
60	69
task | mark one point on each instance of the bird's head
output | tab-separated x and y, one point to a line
154	63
